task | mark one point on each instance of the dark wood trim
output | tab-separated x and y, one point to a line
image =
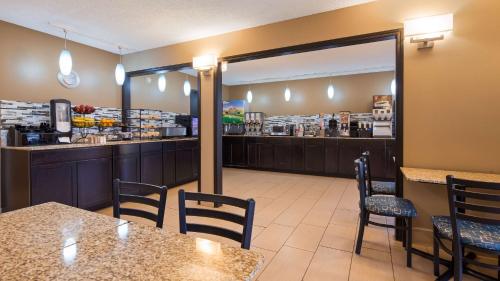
218	130
126	99
153	70
316	46
198	80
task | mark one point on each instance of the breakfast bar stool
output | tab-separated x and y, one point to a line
127	192
246	221
382	205
474	225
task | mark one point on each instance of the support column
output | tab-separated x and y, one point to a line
210	132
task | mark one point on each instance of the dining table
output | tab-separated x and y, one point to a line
438	177
52	241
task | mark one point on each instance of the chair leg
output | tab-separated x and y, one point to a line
367	219
457	264
436	251
361	231
408	241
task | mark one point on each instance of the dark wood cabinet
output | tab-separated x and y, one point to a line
151	163
94	183
282	153
234	150
349	150
265	154
331	156
196	163
314	155
377	157
55	182
127	162
297	149
252	152
390	161
186	156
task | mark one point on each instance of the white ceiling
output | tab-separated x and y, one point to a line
144	24
364	58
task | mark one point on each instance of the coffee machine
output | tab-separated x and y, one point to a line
254	123
60	119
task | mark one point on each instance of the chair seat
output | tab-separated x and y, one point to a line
384	187
475	234
390	206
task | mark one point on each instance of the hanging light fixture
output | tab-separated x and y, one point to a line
162	83
65	60
120	70
288	94
393	87
249	95
331	90
187	87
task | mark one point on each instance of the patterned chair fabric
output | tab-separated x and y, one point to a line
475	234
384	187
390	206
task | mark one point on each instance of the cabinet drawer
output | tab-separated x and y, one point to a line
151	147
67	155
169	146
126	149
187	144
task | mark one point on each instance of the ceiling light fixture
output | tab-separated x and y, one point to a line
120	70
187	87
288	94
249	95
393	87
330	91
162	83
425	31
65	60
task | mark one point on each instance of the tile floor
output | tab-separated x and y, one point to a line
306	226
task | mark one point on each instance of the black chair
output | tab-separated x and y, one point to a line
127	192
377	187
473	224
246	221
382	205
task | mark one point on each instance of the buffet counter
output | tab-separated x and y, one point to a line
81	175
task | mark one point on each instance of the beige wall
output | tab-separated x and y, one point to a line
144	92
451	91
309	96
29	66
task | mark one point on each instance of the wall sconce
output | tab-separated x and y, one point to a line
425	31
205	63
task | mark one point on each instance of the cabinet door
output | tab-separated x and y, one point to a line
196	163
252	155
183	165
169	168
282	156
151	167
127	168
349	150
226	151
331	156
54	182
314	156
94	183
377	157
390	166
238	154
298	155
266	155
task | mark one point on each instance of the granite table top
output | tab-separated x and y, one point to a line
439	176
56	242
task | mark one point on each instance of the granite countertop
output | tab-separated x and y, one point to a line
295	137
83	145
117	250
439	176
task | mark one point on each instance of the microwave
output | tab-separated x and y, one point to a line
280	130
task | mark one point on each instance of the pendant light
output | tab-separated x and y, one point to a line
120	71
65	60
249	95
393	87
187	87
288	94
162	83
331	90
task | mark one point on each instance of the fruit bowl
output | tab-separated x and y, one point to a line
84	109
